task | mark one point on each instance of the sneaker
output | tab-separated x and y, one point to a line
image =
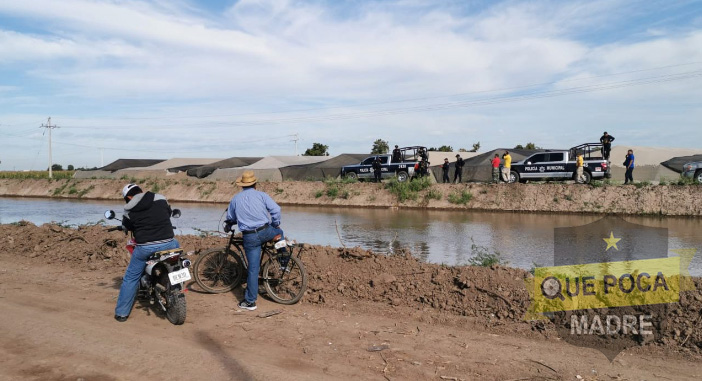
247	306
121	319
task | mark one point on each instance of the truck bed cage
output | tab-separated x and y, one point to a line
590	151
411	153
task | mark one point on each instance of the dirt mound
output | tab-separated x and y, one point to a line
495	297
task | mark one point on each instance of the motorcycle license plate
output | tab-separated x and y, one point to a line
179	276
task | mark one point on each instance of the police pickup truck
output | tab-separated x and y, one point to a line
561	165
403	167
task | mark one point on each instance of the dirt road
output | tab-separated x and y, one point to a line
57	310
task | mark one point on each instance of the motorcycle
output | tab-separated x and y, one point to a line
164	277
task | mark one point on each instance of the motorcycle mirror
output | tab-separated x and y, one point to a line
109	214
175	213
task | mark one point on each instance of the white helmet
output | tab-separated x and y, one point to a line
127	188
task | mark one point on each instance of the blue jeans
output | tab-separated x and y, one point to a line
252	248
130	281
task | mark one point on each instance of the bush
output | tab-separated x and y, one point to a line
318	194
332	191
433	194
481	256
408	190
642	184
685	181
460	198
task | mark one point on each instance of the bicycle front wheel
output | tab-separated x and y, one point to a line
285	285
217	271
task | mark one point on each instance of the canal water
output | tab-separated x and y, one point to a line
522	239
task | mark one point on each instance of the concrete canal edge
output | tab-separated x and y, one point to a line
666	200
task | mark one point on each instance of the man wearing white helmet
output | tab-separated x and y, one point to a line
148	217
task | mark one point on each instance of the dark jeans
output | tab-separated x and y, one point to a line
458	175
446	177
606	148
628	176
252	248
376	175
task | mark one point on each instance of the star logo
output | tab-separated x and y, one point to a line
611	241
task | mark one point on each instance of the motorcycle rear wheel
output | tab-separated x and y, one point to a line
176	308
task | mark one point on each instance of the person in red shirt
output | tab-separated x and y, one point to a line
496	169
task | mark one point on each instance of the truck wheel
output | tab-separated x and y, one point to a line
698	176
352	176
514	177
587	177
402	176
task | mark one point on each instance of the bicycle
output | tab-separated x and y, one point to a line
222	269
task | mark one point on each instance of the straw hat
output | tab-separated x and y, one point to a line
247	179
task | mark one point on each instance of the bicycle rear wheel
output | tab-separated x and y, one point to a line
217	270
285	286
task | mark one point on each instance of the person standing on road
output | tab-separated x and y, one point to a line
445	169
629	165
458	174
606	141
496	169
377	168
148	217
579	168
258	219
396	155
507	166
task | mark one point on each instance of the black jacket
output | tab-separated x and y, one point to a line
148	215
607	139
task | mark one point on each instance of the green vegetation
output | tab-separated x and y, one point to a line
481	256
318	149
408	190
332	191
443	148
433	194
31	175
461	198
685	181
318	194
380	147
642	184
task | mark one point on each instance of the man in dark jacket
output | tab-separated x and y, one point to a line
459	169
148	217
396	155
629	165
606	141
377	168
445	169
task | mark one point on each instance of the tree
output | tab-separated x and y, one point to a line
530	146
318	149
462	150
476	147
56	167
443	148
380	147
70	167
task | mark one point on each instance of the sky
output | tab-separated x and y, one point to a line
222	78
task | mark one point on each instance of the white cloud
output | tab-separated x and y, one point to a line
165	58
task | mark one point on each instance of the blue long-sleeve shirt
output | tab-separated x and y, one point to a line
250	209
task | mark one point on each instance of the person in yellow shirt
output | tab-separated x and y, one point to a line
579	169
507	166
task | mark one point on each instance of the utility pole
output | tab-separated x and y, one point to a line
295	139
49	127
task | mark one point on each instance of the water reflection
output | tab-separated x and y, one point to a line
523	239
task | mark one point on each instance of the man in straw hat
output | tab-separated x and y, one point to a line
258	219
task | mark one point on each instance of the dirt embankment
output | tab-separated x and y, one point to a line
493	298
671	200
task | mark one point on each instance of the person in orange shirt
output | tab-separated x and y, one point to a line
496	169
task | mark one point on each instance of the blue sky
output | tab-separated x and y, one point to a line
164	78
